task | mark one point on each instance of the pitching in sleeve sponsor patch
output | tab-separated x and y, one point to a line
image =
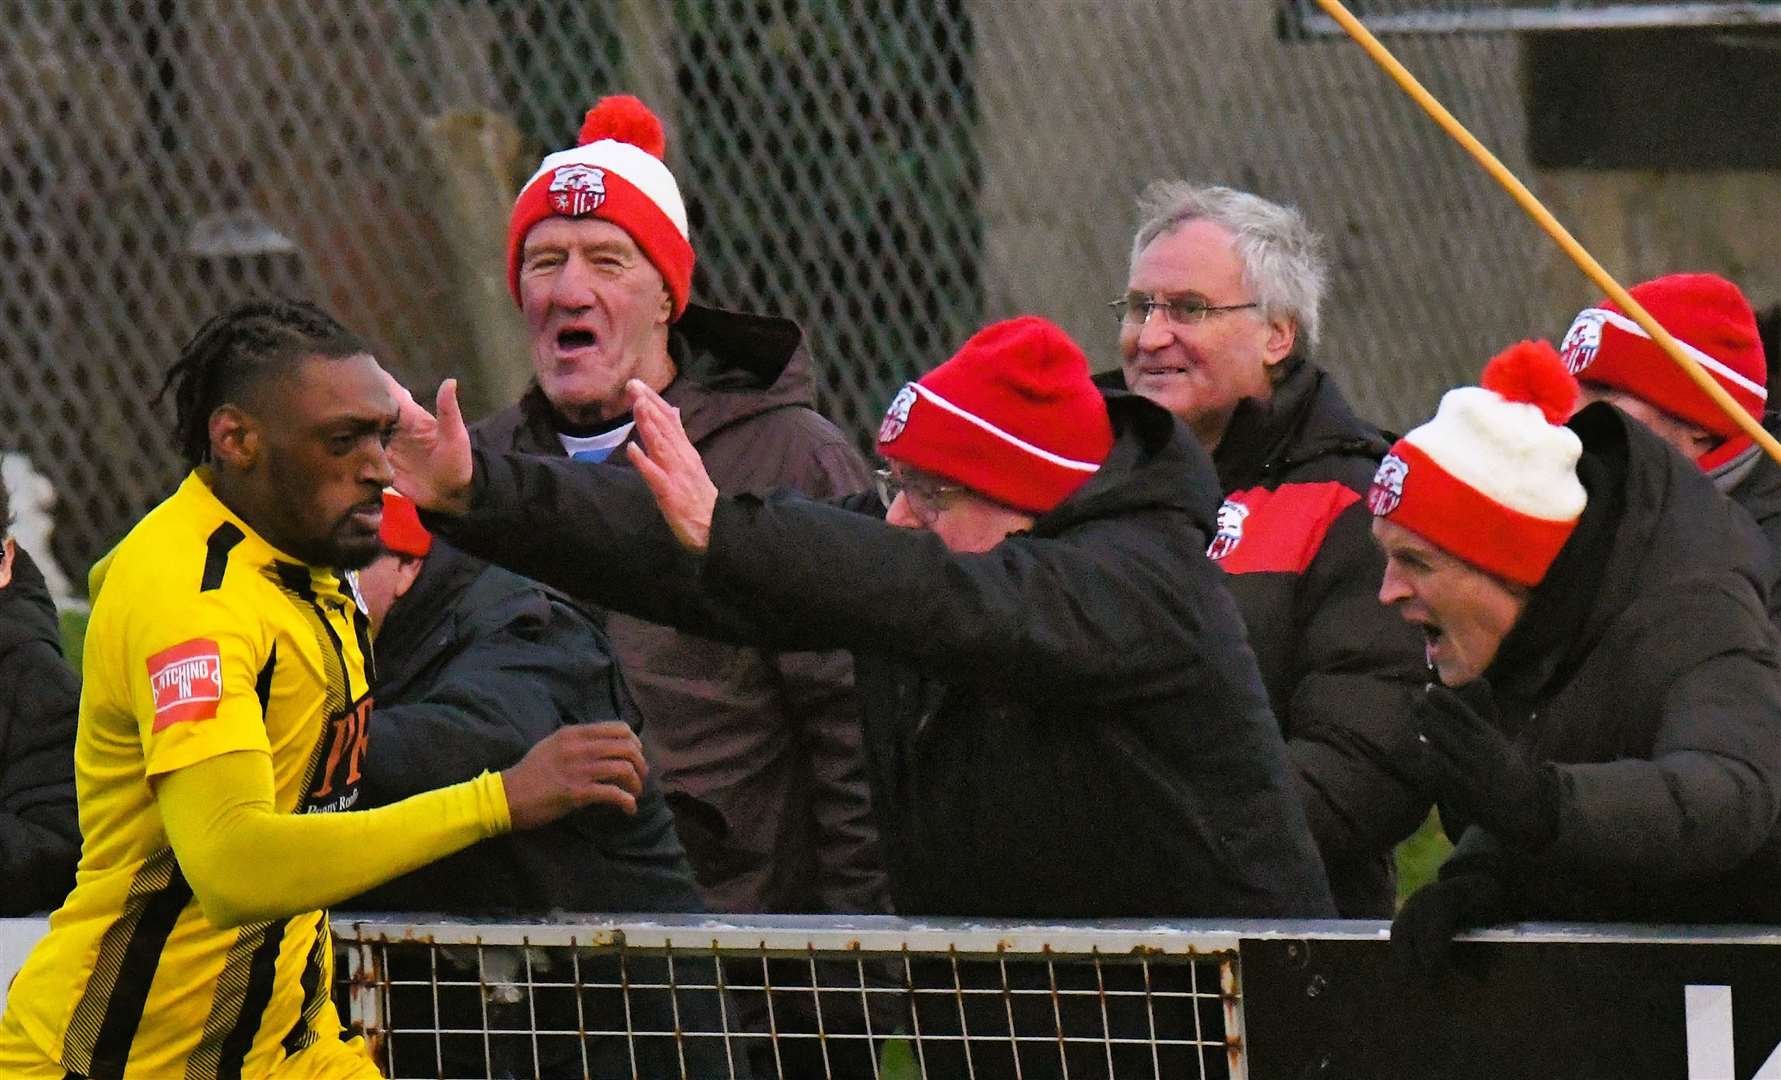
187	681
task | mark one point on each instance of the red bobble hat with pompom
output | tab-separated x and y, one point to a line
1492	479
616	174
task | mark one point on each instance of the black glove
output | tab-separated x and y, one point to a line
1422	934
1476	770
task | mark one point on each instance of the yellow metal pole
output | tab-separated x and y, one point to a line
1383	57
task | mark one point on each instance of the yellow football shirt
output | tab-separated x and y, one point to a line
204	640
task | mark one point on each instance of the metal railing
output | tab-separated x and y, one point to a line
793	997
648	998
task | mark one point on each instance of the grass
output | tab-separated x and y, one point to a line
74	636
1420	856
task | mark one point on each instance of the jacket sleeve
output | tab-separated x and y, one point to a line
1352	740
1708	794
39	827
537	666
1100	612
819	690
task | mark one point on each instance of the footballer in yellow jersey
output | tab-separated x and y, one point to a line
224	718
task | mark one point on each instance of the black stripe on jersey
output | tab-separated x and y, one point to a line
234	1004
315	993
295	578
216	556
97	1042
263	684
361	624
261	970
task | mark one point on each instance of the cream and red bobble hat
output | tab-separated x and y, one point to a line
1014	415
1492	479
615	174
1713	322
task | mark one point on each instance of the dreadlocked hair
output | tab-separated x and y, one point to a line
238	349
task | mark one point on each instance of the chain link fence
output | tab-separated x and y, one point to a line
889	174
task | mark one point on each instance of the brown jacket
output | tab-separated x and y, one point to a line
759	752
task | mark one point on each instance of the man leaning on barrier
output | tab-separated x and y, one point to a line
222	725
1605	736
1220	314
1062	717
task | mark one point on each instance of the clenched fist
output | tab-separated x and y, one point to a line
573	767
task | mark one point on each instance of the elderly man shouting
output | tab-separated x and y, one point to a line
1608	719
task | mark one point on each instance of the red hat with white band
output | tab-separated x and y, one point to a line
1014	416
615	175
1713	322
1492	479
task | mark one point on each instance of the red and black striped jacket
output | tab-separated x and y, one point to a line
1294	537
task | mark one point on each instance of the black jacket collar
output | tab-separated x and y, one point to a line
1306	417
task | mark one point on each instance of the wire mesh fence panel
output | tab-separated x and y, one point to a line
889	174
445	1000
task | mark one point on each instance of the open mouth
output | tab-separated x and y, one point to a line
572	339
1431	641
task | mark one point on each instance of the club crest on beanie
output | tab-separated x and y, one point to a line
615	174
1492	478
1014	416
1711	319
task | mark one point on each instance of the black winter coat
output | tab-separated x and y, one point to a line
1342	670
39	704
1069	725
1645	666
1759	493
474	666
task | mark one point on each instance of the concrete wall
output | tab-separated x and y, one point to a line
1083	103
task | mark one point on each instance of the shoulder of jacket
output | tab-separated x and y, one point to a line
1721	611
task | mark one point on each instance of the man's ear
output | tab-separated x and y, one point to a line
408	568
235	437
6	562
1283	334
667	311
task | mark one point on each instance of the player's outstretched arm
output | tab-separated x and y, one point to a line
246	862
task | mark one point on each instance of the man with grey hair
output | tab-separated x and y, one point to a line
1220	311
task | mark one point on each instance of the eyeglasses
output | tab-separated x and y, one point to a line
923	496
1136	309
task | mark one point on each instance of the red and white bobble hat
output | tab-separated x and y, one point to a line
1492	479
1713	322
1014	416
616	175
